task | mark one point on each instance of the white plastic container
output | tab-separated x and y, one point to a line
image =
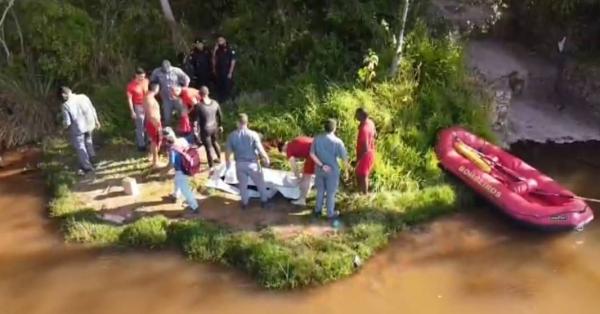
130	186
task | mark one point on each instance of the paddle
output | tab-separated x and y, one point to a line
539	192
511	173
493	163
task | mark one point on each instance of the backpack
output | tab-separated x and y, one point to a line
190	159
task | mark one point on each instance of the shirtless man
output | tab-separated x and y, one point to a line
152	123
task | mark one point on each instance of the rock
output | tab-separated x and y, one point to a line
581	86
130	186
500	107
113	218
357	262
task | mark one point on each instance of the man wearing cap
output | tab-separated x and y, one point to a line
136	91
224	59
325	151
79	116
198	64
168	76
181	180
245	145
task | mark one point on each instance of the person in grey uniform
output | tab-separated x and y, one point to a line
245	145
326	149
168	76
79	116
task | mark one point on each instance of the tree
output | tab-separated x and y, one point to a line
2	19
400	44
167	11
176	36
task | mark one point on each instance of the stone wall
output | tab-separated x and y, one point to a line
581	86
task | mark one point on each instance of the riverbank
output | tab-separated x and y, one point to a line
469	263
282	247
533	115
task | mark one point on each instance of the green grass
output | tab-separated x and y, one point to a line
370	222
431	92
149	232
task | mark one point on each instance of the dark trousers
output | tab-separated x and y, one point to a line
224	87
210	140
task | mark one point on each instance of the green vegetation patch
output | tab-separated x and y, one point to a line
276	263
431	92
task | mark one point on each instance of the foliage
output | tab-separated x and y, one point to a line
276	263
26	108
60	39
545	22
431	93
298	66
368	72
150	232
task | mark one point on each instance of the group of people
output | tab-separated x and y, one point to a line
200	124
321	157
213	69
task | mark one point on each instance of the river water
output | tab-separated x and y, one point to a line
472	262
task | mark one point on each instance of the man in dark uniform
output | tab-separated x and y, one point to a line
198	64
224	59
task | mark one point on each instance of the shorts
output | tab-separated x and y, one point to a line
184	127
365	164
309	166
154	133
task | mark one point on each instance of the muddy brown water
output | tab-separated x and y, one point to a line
472	262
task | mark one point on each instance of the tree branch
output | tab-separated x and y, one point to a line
10	4
2	38
399	47
19	31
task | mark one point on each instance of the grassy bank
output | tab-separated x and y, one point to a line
275	262
291	80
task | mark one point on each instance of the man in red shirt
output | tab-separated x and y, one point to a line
299	148
136	91
365	149
189	97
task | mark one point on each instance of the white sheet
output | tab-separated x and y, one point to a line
283	182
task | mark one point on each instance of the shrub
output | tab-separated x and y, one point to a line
60	39
91	232
147	232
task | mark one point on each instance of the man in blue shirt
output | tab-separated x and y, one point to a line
326	149
80	118
181	180
245	145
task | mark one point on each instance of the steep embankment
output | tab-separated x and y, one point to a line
532	115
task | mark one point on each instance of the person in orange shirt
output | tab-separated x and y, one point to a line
152	123
136	91
188	97
365	149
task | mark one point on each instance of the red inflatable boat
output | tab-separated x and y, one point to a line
515	187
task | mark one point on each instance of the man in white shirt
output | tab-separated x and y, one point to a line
80	118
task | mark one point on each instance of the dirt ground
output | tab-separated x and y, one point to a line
103	192
533	115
